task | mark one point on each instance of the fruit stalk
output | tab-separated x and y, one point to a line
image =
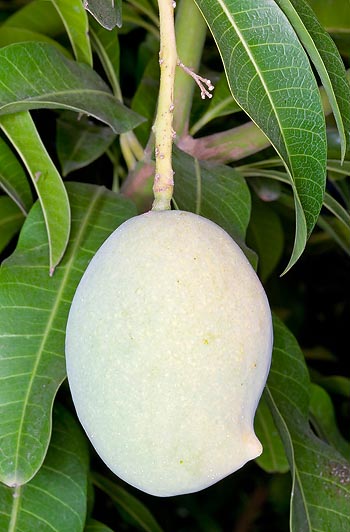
163	124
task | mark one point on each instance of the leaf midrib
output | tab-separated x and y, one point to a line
259	73
55	308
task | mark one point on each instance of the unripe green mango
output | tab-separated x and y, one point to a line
168	349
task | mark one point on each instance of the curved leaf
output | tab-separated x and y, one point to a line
33	314
11	219
273	458
95	526
106	45
270	77
321	476
55	499
131	507
13	179
21	131
75	21
36	75
39	16
327	60
11	35
80	141
107	12
324	418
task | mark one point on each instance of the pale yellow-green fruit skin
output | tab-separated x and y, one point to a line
168	349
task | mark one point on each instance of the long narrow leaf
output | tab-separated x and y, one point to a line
55	499
75	21
271	78
36	75
21	131
33	313
136	512
327	60
321	476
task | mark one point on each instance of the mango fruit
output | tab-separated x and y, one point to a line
168	348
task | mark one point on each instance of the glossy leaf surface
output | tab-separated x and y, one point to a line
21	131
107	12
75	21
270	77
55	499
50	80
320	474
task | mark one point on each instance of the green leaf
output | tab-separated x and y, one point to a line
266	237
334	15
13	179
33	314
11	35
11	219
130	507
36	75
321	475
55	499
95	526
107	12
325	56
216	192
21	131
337	232
271	79
38	16
324	420
273	458
106	44
79	141
75	21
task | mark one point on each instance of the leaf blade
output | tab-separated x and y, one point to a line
271	79
321	481
327	60
39	76
34	309
21	131
56	496
75	21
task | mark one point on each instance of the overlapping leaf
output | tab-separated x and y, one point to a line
36	75
107	12
13	179
321	475
136	513
327	60
270	77
33	313
55	499
21	130
80	142
11	219
75	21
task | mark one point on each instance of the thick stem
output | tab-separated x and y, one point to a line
163	125
191	31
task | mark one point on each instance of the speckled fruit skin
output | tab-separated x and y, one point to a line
168	349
